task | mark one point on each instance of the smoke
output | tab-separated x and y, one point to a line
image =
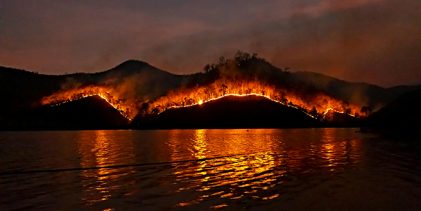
138	88
367	43
370	41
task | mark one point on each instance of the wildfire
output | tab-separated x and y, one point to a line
316	106
126	107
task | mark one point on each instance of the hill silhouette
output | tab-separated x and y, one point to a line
229	112
401	116
87	113
22	91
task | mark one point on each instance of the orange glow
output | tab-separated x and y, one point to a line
313	105
126	107
98	148
233	167
249	166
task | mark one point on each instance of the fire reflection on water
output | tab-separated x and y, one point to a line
237	169
238	173
203	167
254	164
101	148
336	153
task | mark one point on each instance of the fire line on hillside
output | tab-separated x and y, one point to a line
315	106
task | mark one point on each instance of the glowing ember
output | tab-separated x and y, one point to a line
126	107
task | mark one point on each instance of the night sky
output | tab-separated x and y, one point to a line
373	41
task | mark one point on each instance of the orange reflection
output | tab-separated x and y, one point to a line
101	148
336	147
250	165
329	148
200	153
242	164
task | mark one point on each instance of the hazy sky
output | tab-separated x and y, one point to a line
374	41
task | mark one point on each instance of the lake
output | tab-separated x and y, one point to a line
257	169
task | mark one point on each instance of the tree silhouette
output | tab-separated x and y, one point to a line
241	58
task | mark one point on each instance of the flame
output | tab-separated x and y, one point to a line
127	108
316	106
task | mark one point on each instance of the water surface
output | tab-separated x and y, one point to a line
200	169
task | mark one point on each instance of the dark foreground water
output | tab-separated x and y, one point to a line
306	169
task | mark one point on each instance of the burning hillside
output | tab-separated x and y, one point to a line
230	111
314	105
126	107
245	75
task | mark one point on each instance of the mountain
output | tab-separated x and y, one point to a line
359	93
139	85
87	113
230	112
24	89
403	115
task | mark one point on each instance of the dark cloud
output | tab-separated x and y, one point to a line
359	40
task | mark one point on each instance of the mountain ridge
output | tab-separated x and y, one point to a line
138	80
